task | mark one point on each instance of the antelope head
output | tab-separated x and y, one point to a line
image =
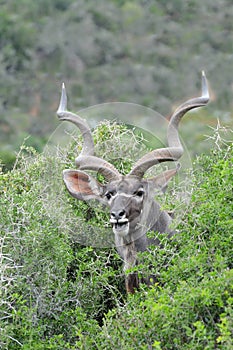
130	198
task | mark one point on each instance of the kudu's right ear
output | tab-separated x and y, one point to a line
82	186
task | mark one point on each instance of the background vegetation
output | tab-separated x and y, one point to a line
142	51
56	293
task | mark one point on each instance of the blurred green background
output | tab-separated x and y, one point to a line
143	51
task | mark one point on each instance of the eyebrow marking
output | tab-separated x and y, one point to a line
124	195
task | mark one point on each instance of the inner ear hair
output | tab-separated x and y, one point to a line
81	185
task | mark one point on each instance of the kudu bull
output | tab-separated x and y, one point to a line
133	210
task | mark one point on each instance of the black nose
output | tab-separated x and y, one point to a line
117	214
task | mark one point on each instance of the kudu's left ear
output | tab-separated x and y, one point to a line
161	181
82	186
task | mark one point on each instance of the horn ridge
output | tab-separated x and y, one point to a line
86	160
174	150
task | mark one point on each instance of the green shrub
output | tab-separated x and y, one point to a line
191	305
57	293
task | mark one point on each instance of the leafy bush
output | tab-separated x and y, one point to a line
191	307
59	294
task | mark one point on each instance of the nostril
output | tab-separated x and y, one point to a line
117	214
121	213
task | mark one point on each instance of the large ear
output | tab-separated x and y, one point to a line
82	186
161	181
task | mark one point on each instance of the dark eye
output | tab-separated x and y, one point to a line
139	193
108	195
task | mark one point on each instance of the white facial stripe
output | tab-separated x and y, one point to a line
117	195
127	195
124	195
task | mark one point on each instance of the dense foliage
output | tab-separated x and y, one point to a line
143	51
59	294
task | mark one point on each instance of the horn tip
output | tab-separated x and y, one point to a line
63	101
205	91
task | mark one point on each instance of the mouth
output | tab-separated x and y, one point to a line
120	227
